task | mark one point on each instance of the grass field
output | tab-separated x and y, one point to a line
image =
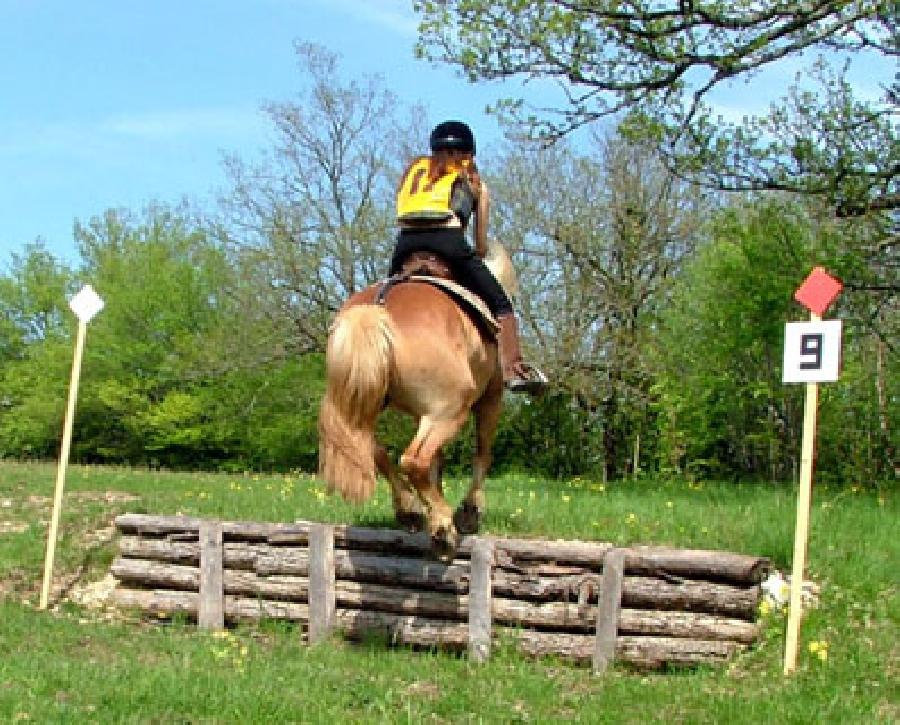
76	664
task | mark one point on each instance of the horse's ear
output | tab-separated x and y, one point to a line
500	263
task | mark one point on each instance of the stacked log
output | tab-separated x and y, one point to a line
678	606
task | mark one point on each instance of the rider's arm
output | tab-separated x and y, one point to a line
462	201
482	211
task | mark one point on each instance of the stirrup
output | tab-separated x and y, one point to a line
533	384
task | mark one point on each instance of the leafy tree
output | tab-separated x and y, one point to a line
161	276
656	69
35	352
32	300
723	409
857	438
162	385
661	62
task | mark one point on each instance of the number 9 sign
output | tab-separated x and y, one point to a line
812	351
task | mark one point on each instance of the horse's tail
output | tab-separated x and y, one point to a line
358	362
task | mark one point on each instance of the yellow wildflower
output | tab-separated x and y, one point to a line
819	649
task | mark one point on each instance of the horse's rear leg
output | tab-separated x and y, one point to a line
421	463
408	509
487	416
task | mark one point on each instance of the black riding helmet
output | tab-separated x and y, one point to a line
453	135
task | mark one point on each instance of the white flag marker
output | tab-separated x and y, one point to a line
811	355
85	305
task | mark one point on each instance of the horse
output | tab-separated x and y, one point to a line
424	355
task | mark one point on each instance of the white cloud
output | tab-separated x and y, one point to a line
170	124
111	142
395	16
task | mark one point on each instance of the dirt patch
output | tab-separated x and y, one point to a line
425	690
110	497
106	496
89	543
89	537
13	583
93	595
99	537
12	527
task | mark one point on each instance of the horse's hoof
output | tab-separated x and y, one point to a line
467	519
411	521
444	544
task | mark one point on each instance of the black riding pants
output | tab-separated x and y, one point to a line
467	267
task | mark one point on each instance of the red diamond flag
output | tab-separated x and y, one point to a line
818	291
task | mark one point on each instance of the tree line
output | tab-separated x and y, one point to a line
655	304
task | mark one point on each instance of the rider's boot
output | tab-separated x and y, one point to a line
518	376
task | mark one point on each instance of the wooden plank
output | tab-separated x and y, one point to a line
639	592
564	616
671	613
321	583
642	652
211	613
697	563
647	560
608	610
480	601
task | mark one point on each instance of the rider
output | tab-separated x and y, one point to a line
435	200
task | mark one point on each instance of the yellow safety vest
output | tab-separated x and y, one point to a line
421	200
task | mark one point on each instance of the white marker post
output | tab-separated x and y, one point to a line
812	352
85	305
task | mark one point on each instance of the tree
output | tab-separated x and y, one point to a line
660	63
35	352
656	67
723	409
312	222
599	238
147	369
32	300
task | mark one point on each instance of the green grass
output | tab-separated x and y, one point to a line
72	665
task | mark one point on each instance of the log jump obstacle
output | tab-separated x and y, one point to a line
589	602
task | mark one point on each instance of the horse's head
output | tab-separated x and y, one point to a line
499	262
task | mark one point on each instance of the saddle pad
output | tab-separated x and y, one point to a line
463	295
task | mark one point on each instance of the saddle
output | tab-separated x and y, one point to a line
433	269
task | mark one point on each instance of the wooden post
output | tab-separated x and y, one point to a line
211	607
608	609
482	560
321	582
636	458
801	531
63	463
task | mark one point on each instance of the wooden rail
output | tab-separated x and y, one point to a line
586	601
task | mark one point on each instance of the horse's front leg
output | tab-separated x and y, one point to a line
487	416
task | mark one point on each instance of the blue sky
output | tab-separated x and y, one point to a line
117	104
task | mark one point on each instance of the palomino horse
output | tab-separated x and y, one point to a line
424	355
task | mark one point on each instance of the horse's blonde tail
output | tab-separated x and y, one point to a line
358	362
